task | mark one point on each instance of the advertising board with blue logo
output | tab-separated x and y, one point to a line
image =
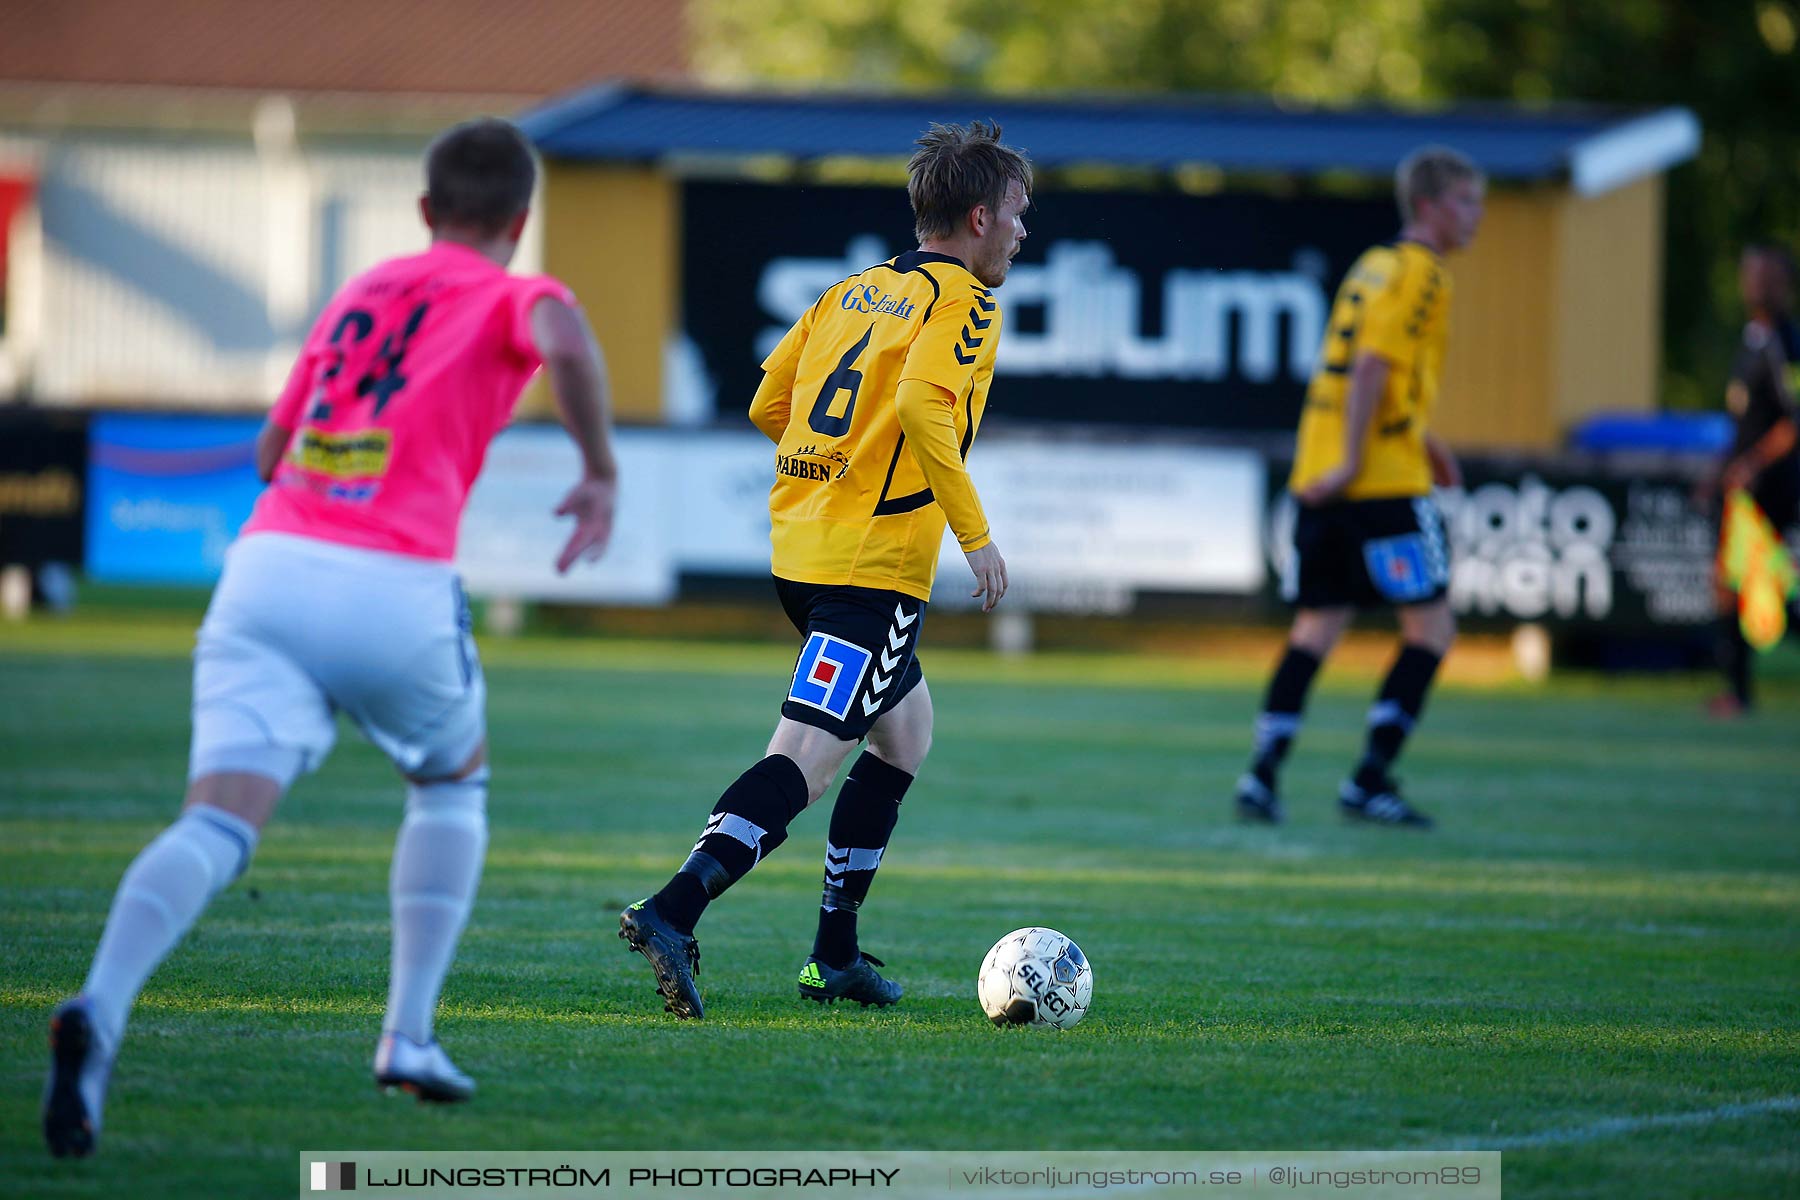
166	494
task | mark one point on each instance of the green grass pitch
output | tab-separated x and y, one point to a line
1593	964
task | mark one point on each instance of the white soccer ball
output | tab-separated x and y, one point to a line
1035	976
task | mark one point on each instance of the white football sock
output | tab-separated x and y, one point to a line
163	893
431	888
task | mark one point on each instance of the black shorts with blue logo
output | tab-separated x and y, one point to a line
858	658
1368	553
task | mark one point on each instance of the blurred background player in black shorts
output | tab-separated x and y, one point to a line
1368	532
1763	460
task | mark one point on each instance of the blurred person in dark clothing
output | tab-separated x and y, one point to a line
1764	460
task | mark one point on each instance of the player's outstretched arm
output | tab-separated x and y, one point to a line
773	403
990	575
271	443
927	416
1368	380
1771	448
578	380
774	400
1446	472
289	410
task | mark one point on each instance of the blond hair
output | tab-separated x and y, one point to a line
1427	173
957	167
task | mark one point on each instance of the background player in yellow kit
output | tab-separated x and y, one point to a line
1367	532
872	399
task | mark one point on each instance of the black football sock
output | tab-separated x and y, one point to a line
748	822
1734	657
1280	718
1395	712
868	806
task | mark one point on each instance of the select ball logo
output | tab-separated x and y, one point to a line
1035	976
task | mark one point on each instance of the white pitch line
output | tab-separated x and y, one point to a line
1619	1126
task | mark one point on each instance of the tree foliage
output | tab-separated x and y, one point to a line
1735	63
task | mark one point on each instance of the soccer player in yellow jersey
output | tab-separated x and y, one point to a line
872	400
1367	531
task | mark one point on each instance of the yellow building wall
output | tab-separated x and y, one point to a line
1555	316
1608	333
1497	367
612	234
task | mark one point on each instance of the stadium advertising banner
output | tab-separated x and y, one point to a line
1575	547
1568	545
166	495
1126	308
43	459
721	520
1084	527
511	536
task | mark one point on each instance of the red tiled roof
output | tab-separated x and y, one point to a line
525	47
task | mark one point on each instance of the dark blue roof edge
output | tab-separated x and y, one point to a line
586	101
558	112
1587	128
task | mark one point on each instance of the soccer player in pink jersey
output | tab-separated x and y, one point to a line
340	595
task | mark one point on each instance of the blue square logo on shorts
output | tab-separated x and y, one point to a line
1397	568
830	672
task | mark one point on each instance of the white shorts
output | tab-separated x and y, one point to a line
300	629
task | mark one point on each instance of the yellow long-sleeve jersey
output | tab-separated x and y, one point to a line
873	399
1395	303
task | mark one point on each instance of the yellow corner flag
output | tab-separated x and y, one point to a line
1755	564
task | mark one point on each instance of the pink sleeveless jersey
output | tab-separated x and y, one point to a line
411	371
